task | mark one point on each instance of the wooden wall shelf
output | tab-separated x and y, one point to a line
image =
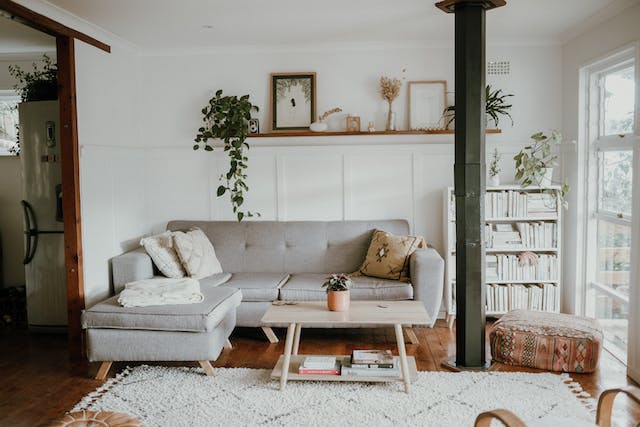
384	132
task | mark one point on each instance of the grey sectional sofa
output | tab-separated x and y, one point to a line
271	261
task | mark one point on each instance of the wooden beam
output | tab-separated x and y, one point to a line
47	25
70	191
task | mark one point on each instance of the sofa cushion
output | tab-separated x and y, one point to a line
308	287
160	249
201	317
257	286
196	253
388	255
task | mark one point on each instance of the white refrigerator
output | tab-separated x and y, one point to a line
43	227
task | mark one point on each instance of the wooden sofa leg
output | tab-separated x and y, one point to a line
206	365
228	345
271	336
411	335
103	370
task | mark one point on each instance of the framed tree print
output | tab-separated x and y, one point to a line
293	101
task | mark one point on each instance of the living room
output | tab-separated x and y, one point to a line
143	72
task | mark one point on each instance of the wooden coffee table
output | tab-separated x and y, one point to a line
374	313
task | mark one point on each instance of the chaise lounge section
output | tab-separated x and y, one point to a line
271	261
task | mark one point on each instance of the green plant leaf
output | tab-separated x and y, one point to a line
221	190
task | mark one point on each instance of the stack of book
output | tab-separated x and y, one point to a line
372	363
319	365
504	237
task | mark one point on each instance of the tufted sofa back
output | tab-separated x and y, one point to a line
291	246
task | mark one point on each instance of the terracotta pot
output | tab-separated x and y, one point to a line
338	300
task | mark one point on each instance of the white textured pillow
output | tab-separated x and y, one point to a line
196	253
160	249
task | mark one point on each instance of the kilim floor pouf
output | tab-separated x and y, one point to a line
96	419
550	341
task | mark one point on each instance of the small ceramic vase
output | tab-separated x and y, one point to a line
319	126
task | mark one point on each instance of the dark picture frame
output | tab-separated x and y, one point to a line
293	101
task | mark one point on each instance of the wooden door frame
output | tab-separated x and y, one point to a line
65	51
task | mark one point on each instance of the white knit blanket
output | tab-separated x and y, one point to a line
147	292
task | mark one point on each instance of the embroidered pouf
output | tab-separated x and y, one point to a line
543	340
96	419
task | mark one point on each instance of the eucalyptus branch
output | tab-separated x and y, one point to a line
226	118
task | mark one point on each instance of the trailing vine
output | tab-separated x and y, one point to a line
226	118
39	84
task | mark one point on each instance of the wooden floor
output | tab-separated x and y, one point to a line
38	382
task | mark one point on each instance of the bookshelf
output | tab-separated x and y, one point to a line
523	233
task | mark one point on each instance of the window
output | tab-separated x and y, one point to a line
610	175
8	122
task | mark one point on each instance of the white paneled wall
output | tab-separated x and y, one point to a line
134	191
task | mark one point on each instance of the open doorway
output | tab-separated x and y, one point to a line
69	160
34	293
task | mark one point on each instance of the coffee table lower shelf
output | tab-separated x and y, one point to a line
296	360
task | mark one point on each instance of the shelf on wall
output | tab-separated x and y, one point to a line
382	132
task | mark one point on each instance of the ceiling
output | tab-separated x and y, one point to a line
16	38
154	24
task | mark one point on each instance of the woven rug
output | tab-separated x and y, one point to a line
174	396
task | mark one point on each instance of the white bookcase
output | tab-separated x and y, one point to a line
523	240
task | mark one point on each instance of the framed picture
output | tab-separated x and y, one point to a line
293	101
427	101
353	124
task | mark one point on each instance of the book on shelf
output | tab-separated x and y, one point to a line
542	297
508	267
320	365
371	357
354	370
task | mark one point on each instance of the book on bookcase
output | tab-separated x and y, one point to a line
522	234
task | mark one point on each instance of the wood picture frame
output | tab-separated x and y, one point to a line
292	101
427	102
353	124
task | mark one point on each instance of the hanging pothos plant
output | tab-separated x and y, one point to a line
39	84
226	118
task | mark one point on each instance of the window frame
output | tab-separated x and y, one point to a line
595	144
8	95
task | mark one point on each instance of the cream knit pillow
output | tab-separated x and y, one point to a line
196	253
160	249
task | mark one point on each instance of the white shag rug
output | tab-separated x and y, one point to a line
174	396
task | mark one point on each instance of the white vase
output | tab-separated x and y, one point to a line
494	181
319	126
546	177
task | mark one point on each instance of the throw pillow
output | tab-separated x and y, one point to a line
388	256
196	253
160	249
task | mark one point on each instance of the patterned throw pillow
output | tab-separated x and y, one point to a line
160	249
388	255
196	253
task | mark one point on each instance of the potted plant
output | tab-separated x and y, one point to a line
227	118
494	169
338	295
39	84
495	106
535	162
